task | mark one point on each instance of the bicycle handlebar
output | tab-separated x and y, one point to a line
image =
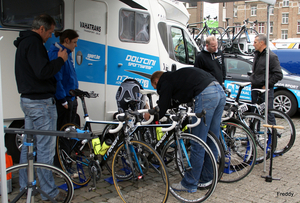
177	118
126	116
80	93
174	123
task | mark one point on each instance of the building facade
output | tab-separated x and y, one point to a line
284	16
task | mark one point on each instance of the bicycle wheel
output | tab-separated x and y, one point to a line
226	39
221	155
285	137
215	32
74	160
240	150
255	123
147	180
182	165
244	41
61	179
168	153
201	39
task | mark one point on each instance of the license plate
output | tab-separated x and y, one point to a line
243	108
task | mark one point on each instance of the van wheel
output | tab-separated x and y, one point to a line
13	142
286	102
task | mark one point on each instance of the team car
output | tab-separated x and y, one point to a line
286	91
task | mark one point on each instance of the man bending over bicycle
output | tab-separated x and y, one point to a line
182	86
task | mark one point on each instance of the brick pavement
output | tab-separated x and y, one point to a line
253	188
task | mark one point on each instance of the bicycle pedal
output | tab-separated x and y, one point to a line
92	189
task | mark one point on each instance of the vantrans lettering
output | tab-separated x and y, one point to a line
90	26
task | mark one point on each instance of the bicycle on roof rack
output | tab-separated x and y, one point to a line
200	35
241	40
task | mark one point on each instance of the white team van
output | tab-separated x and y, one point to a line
118	39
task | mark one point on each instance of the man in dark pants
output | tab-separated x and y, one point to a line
211	60
182	86
37	85
258	76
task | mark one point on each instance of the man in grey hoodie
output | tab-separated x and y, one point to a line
36	83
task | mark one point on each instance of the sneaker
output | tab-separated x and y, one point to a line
204	186
179	187
60	197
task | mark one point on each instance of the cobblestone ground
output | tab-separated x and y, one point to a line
253	188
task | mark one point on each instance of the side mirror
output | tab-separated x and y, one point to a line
249	73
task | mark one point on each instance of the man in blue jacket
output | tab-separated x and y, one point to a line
37	85
66	104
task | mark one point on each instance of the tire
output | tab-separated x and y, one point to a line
180	166
285	137
240	150
221	154
153	178
285	101
215	32
61	179
255	123
244	36
14	142
168	153
73	161
226	39
201	40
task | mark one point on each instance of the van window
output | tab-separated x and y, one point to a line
184	49
16	14
134	26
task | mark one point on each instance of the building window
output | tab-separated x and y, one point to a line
299	7
284	34
234	12
237	27
285	3
271	27
253	10
298	27
261	27
271	10
285	18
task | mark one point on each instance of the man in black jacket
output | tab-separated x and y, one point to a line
182	86
258	76
36	83
211	59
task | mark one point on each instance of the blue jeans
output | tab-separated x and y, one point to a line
40	115
212	99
